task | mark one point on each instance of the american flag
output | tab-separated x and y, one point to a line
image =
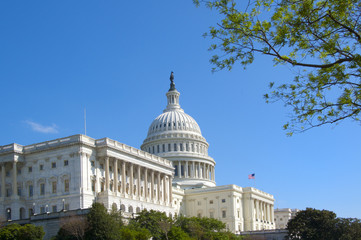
252	176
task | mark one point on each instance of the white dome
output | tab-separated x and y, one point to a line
172	121
176	136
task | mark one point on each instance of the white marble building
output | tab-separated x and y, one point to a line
283	215
172	173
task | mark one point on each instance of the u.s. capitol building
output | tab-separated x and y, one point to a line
171	173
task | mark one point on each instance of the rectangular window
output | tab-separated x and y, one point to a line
163	147
101	166
92	163
210	201
42	188
181	146
169	147
93	185
41	167
53	165
175	147
30	169
66	185
19	171
7	173
211	214
42	209
53	186
158	149
66	162
54	208
223	200
19	191
31	190
8	192
224	214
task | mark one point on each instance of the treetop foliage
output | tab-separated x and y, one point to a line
321	39
18	232
313	224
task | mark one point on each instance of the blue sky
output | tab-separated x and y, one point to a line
114	59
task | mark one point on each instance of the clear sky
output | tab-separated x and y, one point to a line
114	58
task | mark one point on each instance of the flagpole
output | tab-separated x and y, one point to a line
85	121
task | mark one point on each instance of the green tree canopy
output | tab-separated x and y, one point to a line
18	232
101	225
321	39
313	224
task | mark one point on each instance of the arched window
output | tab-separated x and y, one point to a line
8	214
130	209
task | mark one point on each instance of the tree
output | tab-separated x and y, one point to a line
320	39
17	232
312	224
73	227
101	225
152	220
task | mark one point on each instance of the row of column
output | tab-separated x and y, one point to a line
14	180
192	169
264	211
154	194
178	147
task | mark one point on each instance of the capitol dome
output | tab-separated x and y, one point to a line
177	136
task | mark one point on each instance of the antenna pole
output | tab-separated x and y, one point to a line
85	120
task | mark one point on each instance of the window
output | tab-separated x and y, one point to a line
66	162
19	191
54	208
163	147
153	149
110	169
66	185
42	209
92	163
169	146
175	147
41	167
7	173
158	149
181	146
53	165
223	200
211	214
199	203
53	186
31	190
93	185
101	166
42	188
224	214
30	169
8	192
210	201
199	215
19	171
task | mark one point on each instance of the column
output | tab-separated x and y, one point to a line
115	176
138	182
272	214
257	210
179	169
15	188
186	170
131	183
170	189
158	188
164	190
268	218
123	178
3	184
152	187
200	171
193	170
146	183
106	173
